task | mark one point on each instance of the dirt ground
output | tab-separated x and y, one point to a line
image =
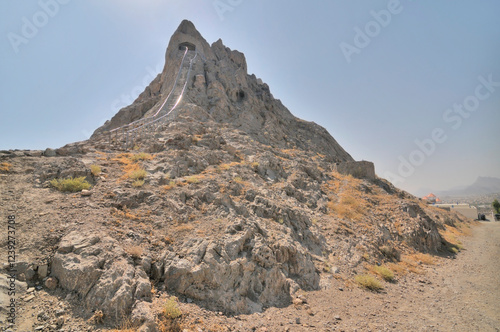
461	294
454	294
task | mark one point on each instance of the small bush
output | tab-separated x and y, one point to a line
138	183
95	170
170	309
192	179
70	184
369	282
138	174
141	156
384	272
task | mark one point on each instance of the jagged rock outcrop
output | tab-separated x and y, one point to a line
99	271
220	89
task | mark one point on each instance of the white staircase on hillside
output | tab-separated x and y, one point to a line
126	135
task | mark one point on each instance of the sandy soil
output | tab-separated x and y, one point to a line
460	294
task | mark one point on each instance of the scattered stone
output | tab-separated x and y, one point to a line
28	298
30	274
42	271
51	283
86	193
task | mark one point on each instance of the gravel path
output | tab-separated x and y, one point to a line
461	294
467	290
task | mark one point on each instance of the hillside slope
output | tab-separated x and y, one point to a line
234	206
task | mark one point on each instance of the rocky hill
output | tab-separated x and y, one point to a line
230	203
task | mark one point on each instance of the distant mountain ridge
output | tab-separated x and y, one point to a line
483	185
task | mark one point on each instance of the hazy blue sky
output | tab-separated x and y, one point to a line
413	86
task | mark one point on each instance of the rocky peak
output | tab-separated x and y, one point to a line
219	89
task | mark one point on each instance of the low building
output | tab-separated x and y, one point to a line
431	199
464	209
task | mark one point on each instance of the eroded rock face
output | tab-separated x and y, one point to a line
97	268
242	272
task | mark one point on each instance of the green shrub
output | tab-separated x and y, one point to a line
138	183
384	272
170	309
138	174
95	170
141	156
193	179
369	282
70	184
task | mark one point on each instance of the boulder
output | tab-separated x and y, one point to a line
97	269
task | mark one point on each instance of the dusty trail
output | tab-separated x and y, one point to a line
461	294
466	294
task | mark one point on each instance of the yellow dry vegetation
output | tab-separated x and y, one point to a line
130	165
345	198
5	167
369	282
383	271
451	234
127	214
134	251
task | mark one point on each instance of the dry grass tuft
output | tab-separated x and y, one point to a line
348	207
171	309
95	170
138	174
70	184
141	156
134	251
369	282
382	271
5	167
193	179
138	183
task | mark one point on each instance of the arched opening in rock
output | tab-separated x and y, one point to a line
191	47
240	95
